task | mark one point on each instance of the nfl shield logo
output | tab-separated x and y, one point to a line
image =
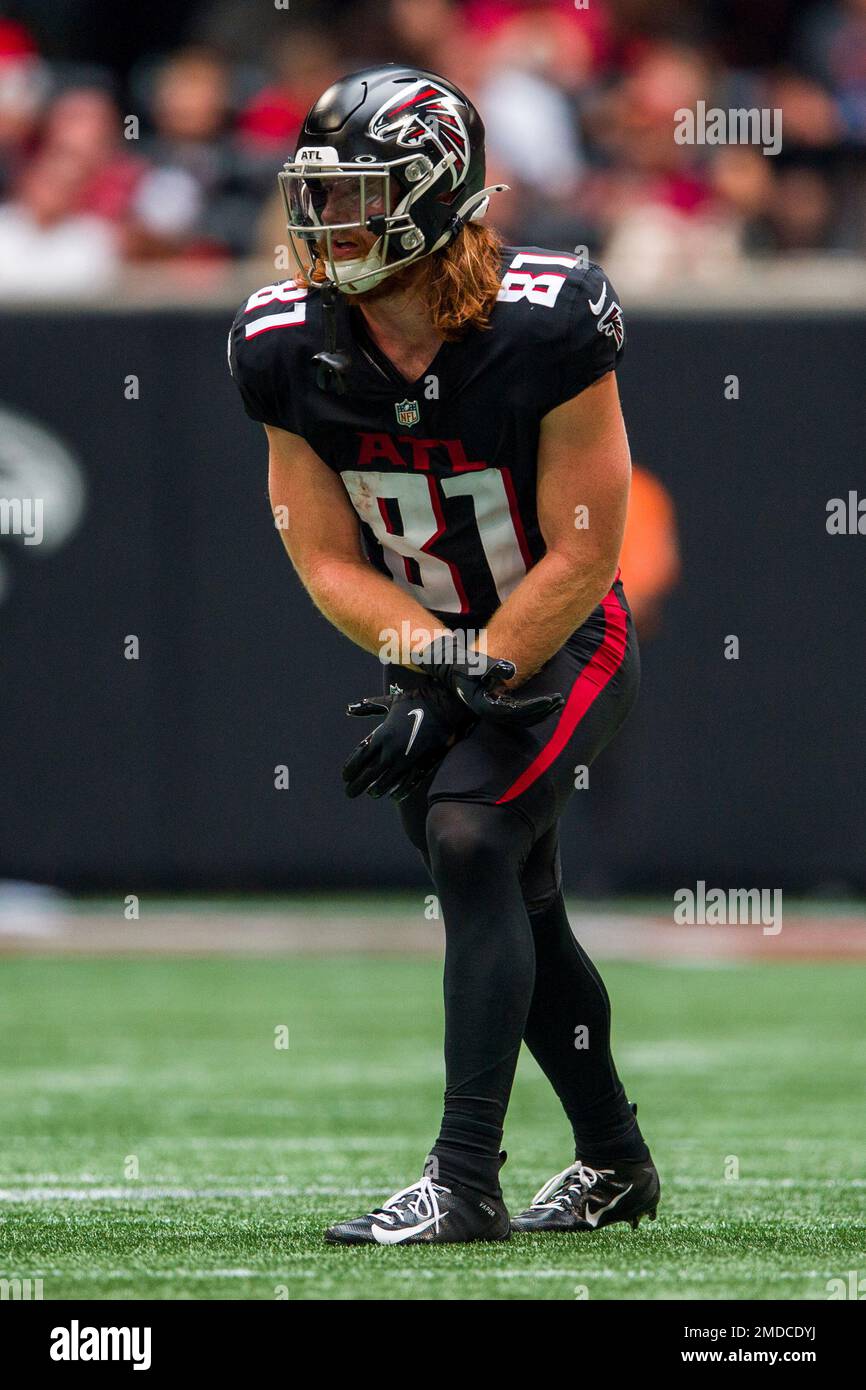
408	412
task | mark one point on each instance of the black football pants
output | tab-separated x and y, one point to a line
487	826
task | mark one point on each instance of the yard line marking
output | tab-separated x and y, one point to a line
282	1275
150	1194
96	1193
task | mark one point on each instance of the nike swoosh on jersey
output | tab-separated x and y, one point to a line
597	306
384	1237
592	1216
414	733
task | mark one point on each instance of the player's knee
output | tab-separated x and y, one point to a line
468	837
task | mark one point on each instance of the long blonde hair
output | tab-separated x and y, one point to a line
460	282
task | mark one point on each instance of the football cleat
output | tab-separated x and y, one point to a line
427	1213
581	1198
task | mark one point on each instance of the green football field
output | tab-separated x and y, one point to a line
156	1143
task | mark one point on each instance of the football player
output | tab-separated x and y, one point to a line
446	437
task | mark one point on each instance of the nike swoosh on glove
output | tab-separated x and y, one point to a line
413	738
471	677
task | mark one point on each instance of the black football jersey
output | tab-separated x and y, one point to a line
441	470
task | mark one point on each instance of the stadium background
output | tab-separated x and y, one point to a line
139	777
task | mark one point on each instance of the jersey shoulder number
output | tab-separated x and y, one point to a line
263	343
536	276
570	316
286	307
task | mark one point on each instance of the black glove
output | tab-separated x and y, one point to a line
471	676
416	733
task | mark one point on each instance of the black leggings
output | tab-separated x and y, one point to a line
514	971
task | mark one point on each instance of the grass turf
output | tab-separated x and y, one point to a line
245	1151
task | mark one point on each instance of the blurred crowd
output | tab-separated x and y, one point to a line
154	134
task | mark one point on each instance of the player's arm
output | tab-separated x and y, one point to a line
323	542
583	462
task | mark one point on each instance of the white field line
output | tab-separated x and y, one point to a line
584	1276
154	1194
130	1193
282	1275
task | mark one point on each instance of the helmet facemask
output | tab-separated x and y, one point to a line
370	196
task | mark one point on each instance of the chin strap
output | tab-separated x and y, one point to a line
332	364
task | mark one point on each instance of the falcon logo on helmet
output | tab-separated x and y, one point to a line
426	113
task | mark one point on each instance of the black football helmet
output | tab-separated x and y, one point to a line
395	151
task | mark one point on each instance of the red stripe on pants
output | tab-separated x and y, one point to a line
595	675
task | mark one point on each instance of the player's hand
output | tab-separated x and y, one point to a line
473	678
416	732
